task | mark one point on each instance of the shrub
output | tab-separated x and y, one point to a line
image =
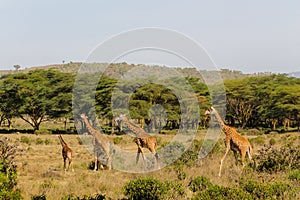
150	188
272	141
147	188
199	183
221	192
294	175
39	141
25	139
258	140
273	160
118	140
171	152
74	197
276	190
47	141
8	171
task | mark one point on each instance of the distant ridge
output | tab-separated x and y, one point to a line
117	70
295	74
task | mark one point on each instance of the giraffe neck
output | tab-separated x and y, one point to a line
219	118
89	126
62	142
133	128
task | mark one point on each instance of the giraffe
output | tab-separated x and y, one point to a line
142	140
67	153
233	141
101	143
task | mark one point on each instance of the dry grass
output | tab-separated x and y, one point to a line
40	168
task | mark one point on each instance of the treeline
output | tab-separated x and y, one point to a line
42	95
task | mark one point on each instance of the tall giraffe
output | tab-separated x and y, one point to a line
143	139
66	153
233	141
102	143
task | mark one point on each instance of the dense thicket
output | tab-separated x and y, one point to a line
40	95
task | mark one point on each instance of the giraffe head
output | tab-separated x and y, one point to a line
83	116
122	117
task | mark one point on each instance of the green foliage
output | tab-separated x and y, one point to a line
276	190
8	171
247	189
39	197
39	141
147	188
171	152
199	183
272	141
253	100
75	197
273	160
294	175
150	188
260	140
221	192
25	139
37	94
118	140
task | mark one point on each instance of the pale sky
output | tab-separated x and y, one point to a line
251	36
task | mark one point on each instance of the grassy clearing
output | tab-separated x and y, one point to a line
40	168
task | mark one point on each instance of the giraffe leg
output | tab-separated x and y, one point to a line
137	156
65	164
153	151
108	158
96	162
221	162
70	163
236	157
157	160
243	154
140	150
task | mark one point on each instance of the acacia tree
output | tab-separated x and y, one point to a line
240	100
36	96
9	101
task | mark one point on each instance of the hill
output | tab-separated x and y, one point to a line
116	70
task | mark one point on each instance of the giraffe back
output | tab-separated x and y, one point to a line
235	138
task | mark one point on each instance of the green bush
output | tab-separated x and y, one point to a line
25	139
74	197
150	188
171	152
118	140
47	141
147	188
39	141
258	140
294	175
273	160
221	192
199	183
272	141
8	171
276	190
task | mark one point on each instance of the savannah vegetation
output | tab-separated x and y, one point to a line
37	104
